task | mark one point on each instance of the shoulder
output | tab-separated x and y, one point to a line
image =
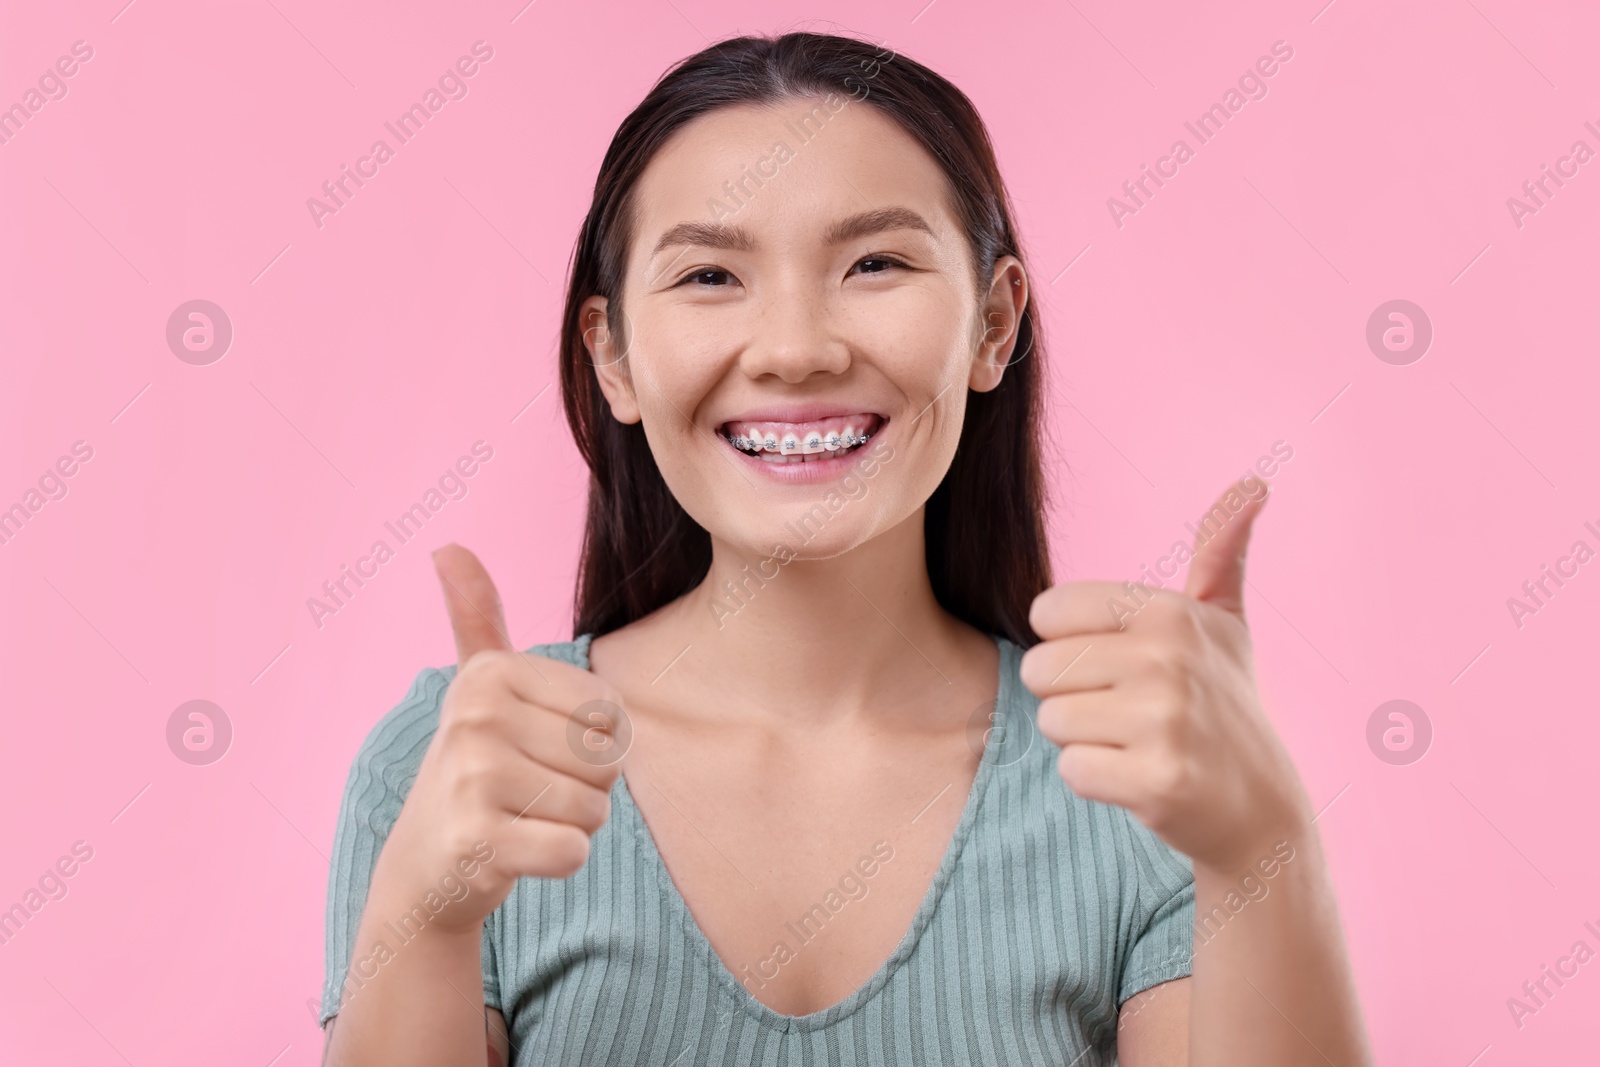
418	712
1102	889
388	758
1082	835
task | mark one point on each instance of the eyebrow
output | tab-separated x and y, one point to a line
737	238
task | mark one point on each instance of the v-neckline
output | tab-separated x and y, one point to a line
623	804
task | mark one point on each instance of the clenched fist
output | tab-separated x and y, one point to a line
1151	694
506	766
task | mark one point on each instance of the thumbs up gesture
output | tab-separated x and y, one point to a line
1151	695
517	776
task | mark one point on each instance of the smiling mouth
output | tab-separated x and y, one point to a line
806	442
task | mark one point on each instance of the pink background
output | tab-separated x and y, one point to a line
370	353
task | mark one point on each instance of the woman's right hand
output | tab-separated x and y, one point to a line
518	774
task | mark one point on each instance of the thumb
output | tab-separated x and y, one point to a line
1216	574
476	616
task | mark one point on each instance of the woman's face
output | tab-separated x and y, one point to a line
801	293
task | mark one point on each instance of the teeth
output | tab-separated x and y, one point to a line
791	443
813	445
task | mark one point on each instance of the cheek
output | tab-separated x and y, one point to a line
926	441
670	392
671	386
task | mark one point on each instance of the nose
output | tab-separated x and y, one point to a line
796	334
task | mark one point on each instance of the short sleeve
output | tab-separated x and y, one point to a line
1164	950
380	777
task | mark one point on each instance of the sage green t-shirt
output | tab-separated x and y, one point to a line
1047	912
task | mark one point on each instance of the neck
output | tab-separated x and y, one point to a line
820	638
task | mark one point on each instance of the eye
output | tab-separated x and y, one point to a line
887	261
699	279
706	272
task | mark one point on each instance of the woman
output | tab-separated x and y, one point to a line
842	818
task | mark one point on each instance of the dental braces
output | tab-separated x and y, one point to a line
833	442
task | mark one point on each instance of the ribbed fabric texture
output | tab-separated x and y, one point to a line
1047	912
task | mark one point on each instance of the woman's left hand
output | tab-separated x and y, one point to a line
1151	695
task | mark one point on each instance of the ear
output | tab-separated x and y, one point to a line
1001	318
608	357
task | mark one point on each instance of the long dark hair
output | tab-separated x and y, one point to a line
987	553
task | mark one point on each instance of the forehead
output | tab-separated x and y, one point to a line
786	170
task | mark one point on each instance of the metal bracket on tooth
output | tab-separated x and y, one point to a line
771	444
